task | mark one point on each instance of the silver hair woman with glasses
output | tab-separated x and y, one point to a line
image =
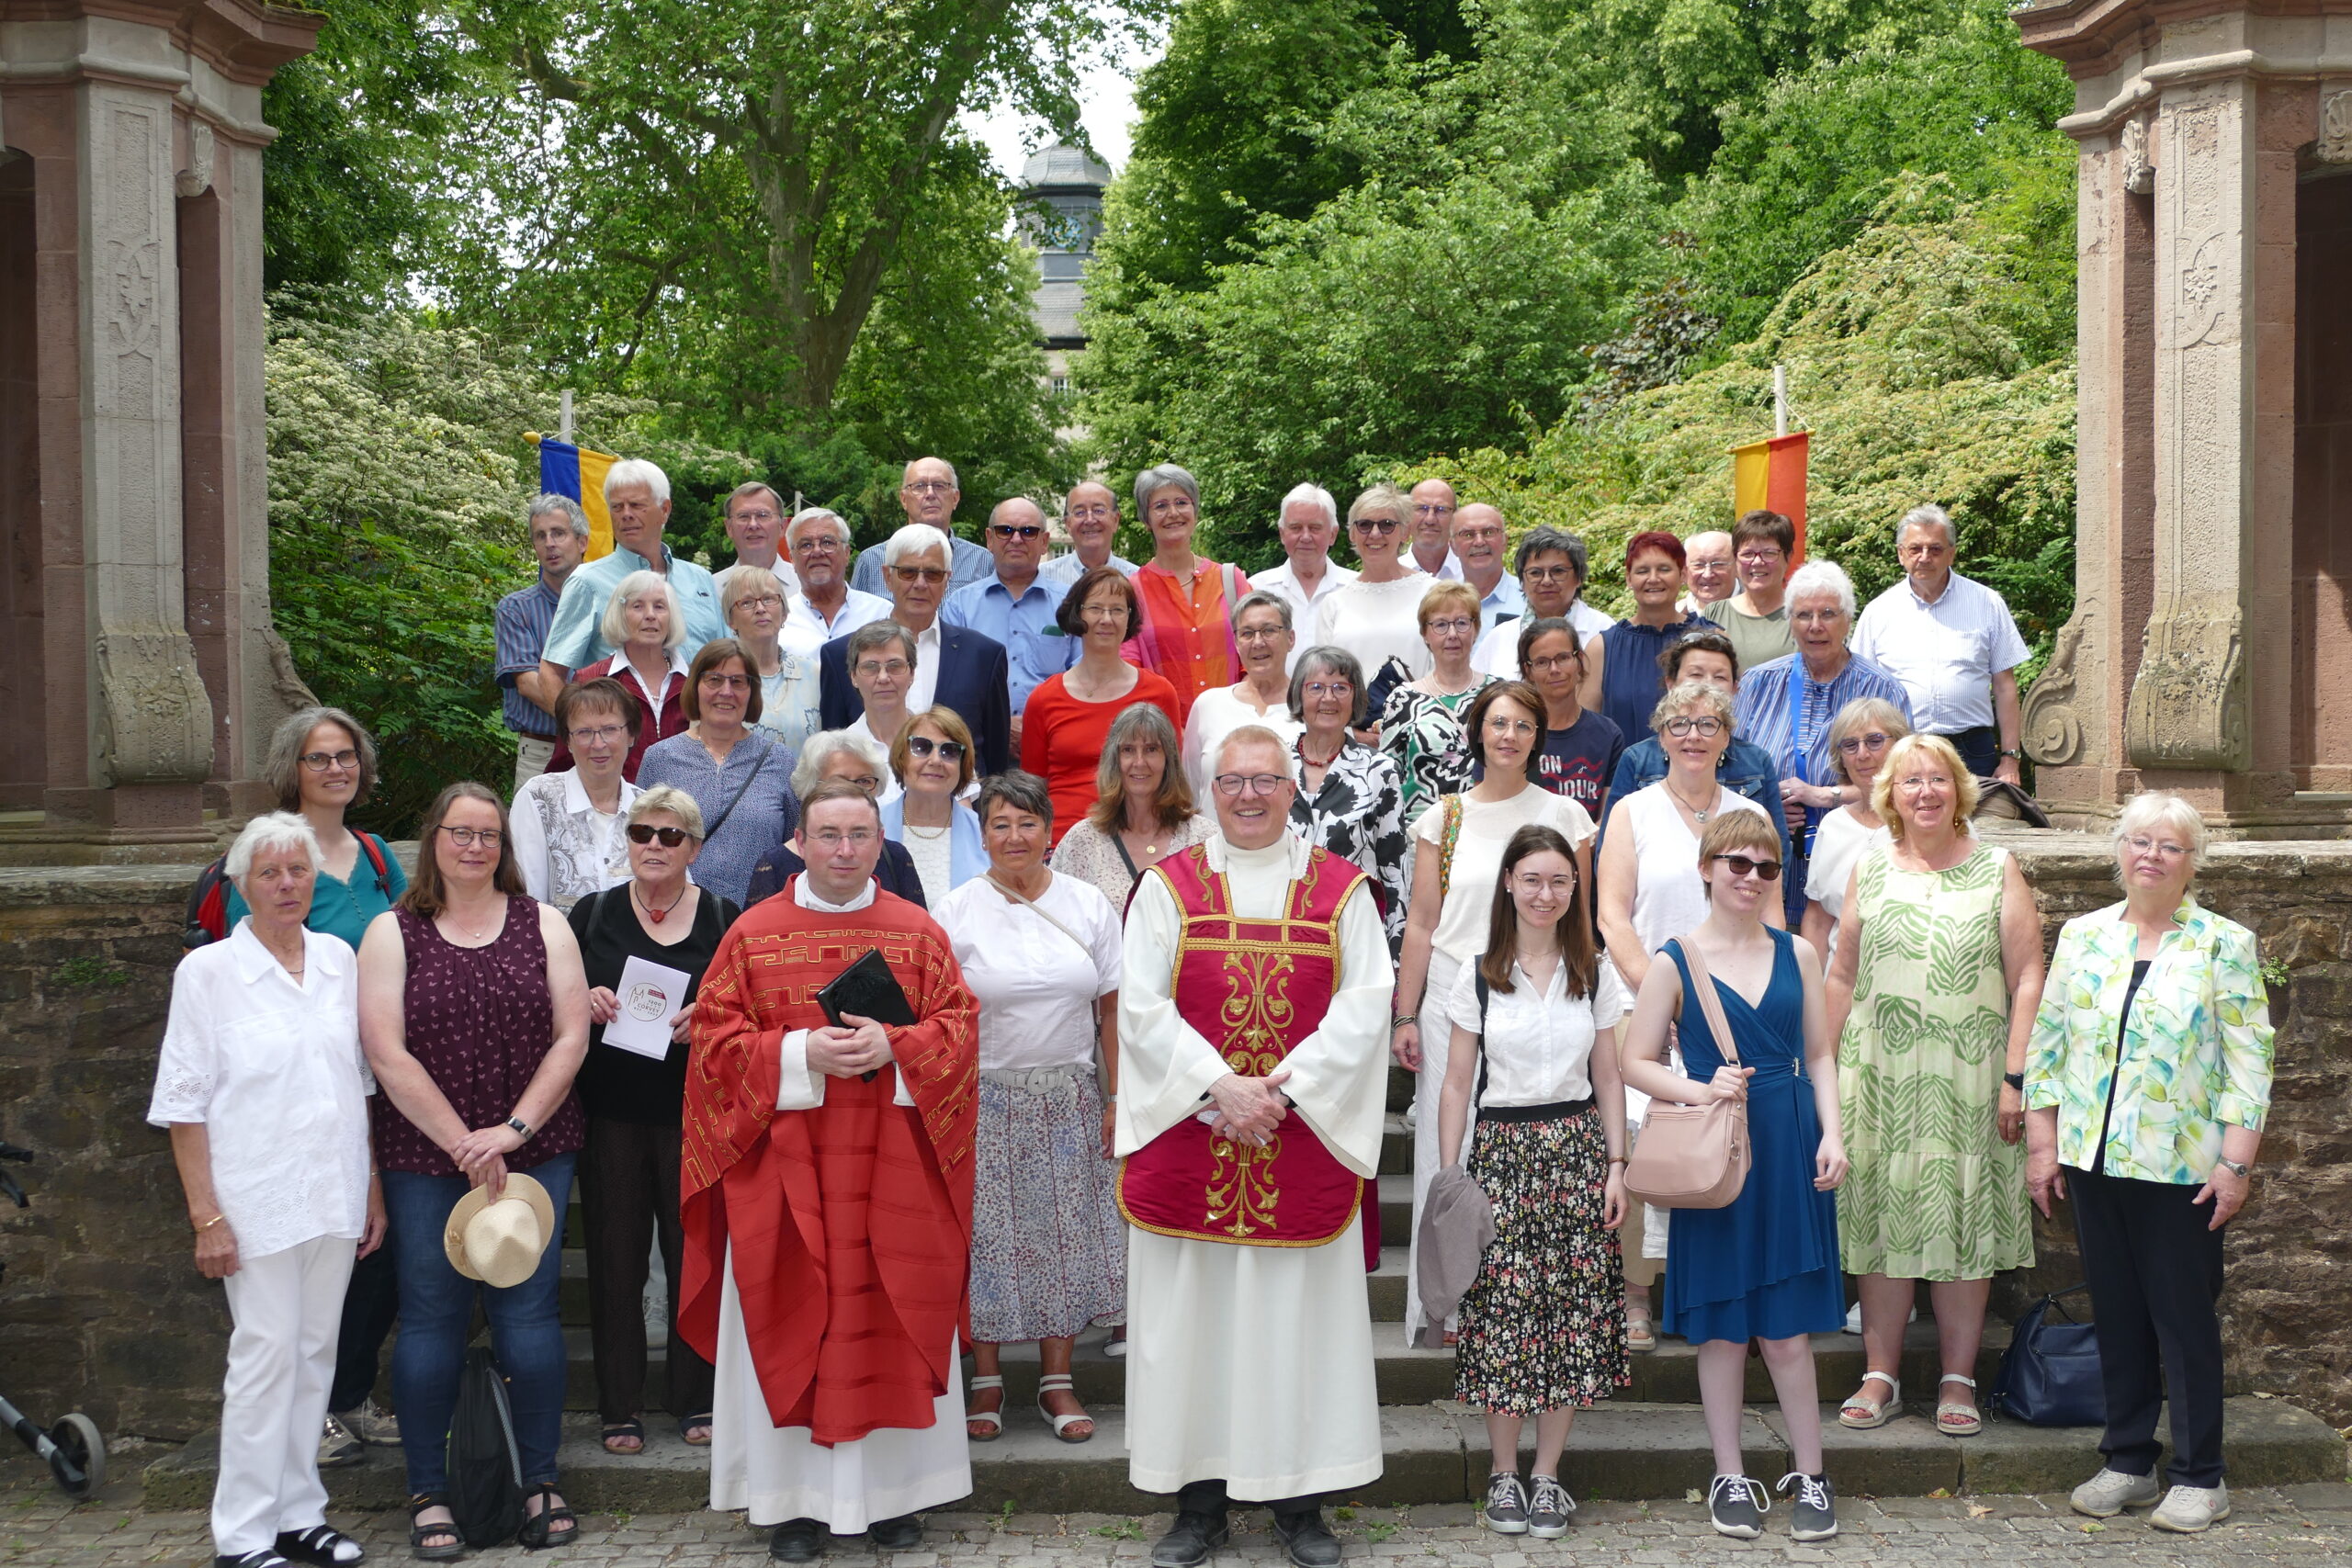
1860	738
1262	629
2147	1082
645	622
1350	798
753	600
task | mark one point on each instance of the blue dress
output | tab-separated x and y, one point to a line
1766	1265
1631	683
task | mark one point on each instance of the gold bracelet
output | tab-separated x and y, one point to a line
209	1224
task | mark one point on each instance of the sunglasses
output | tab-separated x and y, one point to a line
645	832
923	746
1769	870
1374	524
1007	531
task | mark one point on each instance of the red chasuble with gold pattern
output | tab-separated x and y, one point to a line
1253	989
851	1222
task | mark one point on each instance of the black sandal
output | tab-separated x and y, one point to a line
537	1534
632	1427
419	1533
321	1546
688	1425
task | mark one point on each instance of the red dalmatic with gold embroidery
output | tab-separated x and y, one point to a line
1253	989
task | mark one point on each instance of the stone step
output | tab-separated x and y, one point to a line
1436	1453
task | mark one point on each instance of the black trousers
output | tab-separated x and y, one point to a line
629	1195
2154	1273
1209	1498
370	1302
1978	747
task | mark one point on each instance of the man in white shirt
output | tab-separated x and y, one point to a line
755	527
1091	518
1433	508
826	606
1953	645
1707	566
1479	539
1550	564
1309	526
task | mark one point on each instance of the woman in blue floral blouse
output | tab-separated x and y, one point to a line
2146	1084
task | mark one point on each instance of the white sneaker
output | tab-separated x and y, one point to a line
2188	1509
2110	1491
1854	1317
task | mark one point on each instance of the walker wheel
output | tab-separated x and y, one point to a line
80	1462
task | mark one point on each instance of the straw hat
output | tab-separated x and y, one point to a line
500	1244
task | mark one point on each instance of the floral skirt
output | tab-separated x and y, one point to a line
1049	1250
1544	1327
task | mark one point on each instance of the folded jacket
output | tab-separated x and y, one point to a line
1457	1222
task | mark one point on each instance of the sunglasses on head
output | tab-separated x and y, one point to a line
645	832
1769	870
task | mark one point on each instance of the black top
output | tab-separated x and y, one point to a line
2139	973
895	871
618	1085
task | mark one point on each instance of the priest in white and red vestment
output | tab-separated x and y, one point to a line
1253	1073
827	1188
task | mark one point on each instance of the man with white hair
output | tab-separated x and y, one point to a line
1479	540
1787	705
955	667
1433	508
827	606
1308	524
928	492
637	493
1707	566
1252	1081
1091	518
527	697
755	518
1953	643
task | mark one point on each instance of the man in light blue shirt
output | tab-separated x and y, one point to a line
1478	545
1091	518
637	493
928	492
1016	606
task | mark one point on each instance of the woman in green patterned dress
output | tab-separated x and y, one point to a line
1932	995
1422	725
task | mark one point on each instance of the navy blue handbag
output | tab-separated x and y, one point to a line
2050	1374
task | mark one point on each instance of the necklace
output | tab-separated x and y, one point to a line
927	832
658	916
1131	833
464	930
1314	762
1697	814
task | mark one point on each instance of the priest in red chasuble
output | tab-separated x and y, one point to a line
1253	1074
827	1184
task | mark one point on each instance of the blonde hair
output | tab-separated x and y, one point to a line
1731	832
2153	808
1692	694
673	800
613	627
1449	595
1936	749
741	583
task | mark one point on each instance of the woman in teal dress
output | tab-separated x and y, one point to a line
1765	1267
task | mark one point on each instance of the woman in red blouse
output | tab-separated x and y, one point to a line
1067	717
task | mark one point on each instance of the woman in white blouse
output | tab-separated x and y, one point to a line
1041	950
1542	1328
1378	617
1860	738
752	602
263	1085
932	760
567	826
1263	632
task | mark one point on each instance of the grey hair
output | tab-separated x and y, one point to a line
739	585
673	800
636	471
1691	694
824	746
283	770
614	626
1927	516
1312	495
814	514
2160	807
1262	600
267	833
1158	479
1339	663
1852	717
1544	538
907	474
913	539
1022	791
1247	734
1818	577
872	635
546	502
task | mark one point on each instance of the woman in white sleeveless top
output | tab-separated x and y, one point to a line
1651	892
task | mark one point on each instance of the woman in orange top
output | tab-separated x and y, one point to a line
1187	599
1067	717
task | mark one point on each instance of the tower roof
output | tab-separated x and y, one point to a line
1059	165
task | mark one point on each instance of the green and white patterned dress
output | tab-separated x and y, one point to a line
1934	1193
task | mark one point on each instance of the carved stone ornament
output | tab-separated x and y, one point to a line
2188	701
154	720
2051	719
2139	169
2335	128
196	178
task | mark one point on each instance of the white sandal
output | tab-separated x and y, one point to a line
995	1418
1954	1419
1878	1413
1061	1424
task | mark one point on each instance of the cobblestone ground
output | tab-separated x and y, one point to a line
2298	1524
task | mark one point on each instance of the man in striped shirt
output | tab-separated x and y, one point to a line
559	540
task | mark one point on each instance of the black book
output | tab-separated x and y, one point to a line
868	989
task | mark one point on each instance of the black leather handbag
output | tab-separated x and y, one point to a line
2050	1374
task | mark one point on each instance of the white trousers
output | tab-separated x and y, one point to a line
285	1311
532	756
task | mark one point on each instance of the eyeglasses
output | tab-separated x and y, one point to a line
1242	633
1010	531
1918	782
1741	865
1314	689
598	735
832	839
1231	785
1873	741
1706	726
1531	884
1497	725
645	832
748	514
2141	844
1092	512
1551	663
466	837
727	682
1455	627
760	601
1431	509
894	668
920	574
1548	574
923	746
928	487
319	761
1761	557
1374	524
865	782
1478	531
825	544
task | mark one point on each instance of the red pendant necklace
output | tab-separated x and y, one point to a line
658	915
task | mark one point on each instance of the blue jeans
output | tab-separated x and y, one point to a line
436	1313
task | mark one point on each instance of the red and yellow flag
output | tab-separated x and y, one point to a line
1769	475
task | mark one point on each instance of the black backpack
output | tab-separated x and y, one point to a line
485	1462
207	919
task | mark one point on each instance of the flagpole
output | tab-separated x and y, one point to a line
566	416
1779	403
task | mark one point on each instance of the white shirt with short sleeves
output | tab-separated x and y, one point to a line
1486	827
1037	985
1497	652
1537	1047
1945	653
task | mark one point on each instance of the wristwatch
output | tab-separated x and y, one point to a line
521	1128
2014	1080
2236	1168
2012	751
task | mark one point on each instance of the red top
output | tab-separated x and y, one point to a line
1061	739
650	725
1188	636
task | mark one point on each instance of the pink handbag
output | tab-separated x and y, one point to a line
1693	1157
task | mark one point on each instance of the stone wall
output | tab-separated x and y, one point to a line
102	1310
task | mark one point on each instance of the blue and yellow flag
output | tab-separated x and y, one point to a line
575	471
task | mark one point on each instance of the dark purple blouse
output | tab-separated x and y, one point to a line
480	1019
